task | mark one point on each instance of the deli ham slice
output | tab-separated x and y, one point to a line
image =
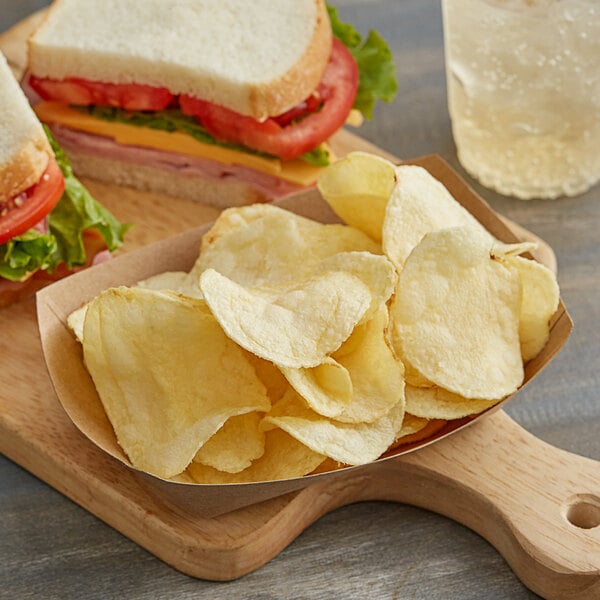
180	165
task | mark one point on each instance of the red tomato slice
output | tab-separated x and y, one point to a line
30	207
130	96
288	136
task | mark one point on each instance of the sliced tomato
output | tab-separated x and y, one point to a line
311	104
297	131
130	96
29	208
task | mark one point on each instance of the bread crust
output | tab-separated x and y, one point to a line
298	83
259	99
25	168
24	149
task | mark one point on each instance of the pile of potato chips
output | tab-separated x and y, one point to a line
294	347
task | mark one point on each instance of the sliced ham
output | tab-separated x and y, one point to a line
181	165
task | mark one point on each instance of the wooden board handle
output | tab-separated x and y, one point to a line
538	505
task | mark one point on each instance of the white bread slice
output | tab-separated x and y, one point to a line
258	58
220	193
24	148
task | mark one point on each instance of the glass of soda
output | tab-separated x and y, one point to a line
523	82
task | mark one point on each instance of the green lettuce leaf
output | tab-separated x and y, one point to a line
75	212
25	254
174	120
377	72
318	157
164	120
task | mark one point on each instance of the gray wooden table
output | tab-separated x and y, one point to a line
52	549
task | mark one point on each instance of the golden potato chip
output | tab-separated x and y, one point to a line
276	247
327	388
284	458
232	219
270	375
419	204
413	377
349	443
167	375
438	403
362	384
539	301
415	429
377	374
291	326
233	448
411	424
174	281
75	322
373	269
500	249
455	315
357	188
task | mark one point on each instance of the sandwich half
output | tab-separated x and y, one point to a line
49	223
227	102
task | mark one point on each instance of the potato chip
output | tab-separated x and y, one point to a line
438	403
411	424
539	301
294	347
167	375
419	204
75	322
413	377
284	458
455	315
233	219
233	448
270	375
415	429
377	374
373	269
500	249
275	248
292	326
364	381
327	388
349	443
357	188
174	281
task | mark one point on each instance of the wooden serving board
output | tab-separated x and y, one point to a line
538	505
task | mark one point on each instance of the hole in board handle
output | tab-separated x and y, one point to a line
583	511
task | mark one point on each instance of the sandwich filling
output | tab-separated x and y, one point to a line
47	227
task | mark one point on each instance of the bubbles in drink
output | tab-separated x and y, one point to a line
524	93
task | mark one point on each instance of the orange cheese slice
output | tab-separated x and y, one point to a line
294	171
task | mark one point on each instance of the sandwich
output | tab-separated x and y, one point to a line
227	102
49	223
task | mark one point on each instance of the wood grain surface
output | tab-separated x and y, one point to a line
371	549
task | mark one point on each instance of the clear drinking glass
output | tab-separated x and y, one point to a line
524	93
